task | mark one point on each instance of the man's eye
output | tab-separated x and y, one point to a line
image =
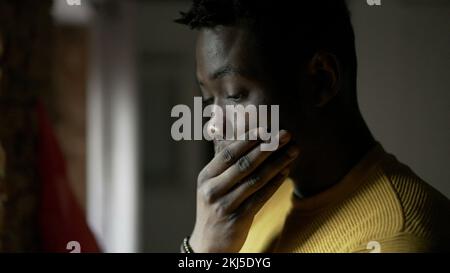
236	97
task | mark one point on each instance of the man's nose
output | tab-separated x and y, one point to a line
214	123
219	123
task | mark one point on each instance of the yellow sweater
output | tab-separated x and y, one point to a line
379	206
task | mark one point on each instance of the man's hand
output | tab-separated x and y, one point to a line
233	187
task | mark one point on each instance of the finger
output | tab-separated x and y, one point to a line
244	166
257	181
228	156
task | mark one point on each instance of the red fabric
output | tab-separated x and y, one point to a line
61	220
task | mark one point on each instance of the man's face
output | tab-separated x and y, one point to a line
231	69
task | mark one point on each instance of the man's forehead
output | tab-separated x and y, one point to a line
225	46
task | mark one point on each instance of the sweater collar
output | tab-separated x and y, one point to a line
341	190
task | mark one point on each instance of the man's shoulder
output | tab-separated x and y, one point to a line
415	196
410	205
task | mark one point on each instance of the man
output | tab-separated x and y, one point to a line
344	192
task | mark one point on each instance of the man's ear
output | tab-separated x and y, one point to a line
325	73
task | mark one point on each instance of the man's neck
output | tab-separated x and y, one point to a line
332	155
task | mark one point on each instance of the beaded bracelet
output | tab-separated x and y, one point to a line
186	247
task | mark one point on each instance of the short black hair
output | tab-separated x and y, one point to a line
307	26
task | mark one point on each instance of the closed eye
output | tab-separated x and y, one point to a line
236	97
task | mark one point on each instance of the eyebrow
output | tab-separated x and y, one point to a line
225	71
